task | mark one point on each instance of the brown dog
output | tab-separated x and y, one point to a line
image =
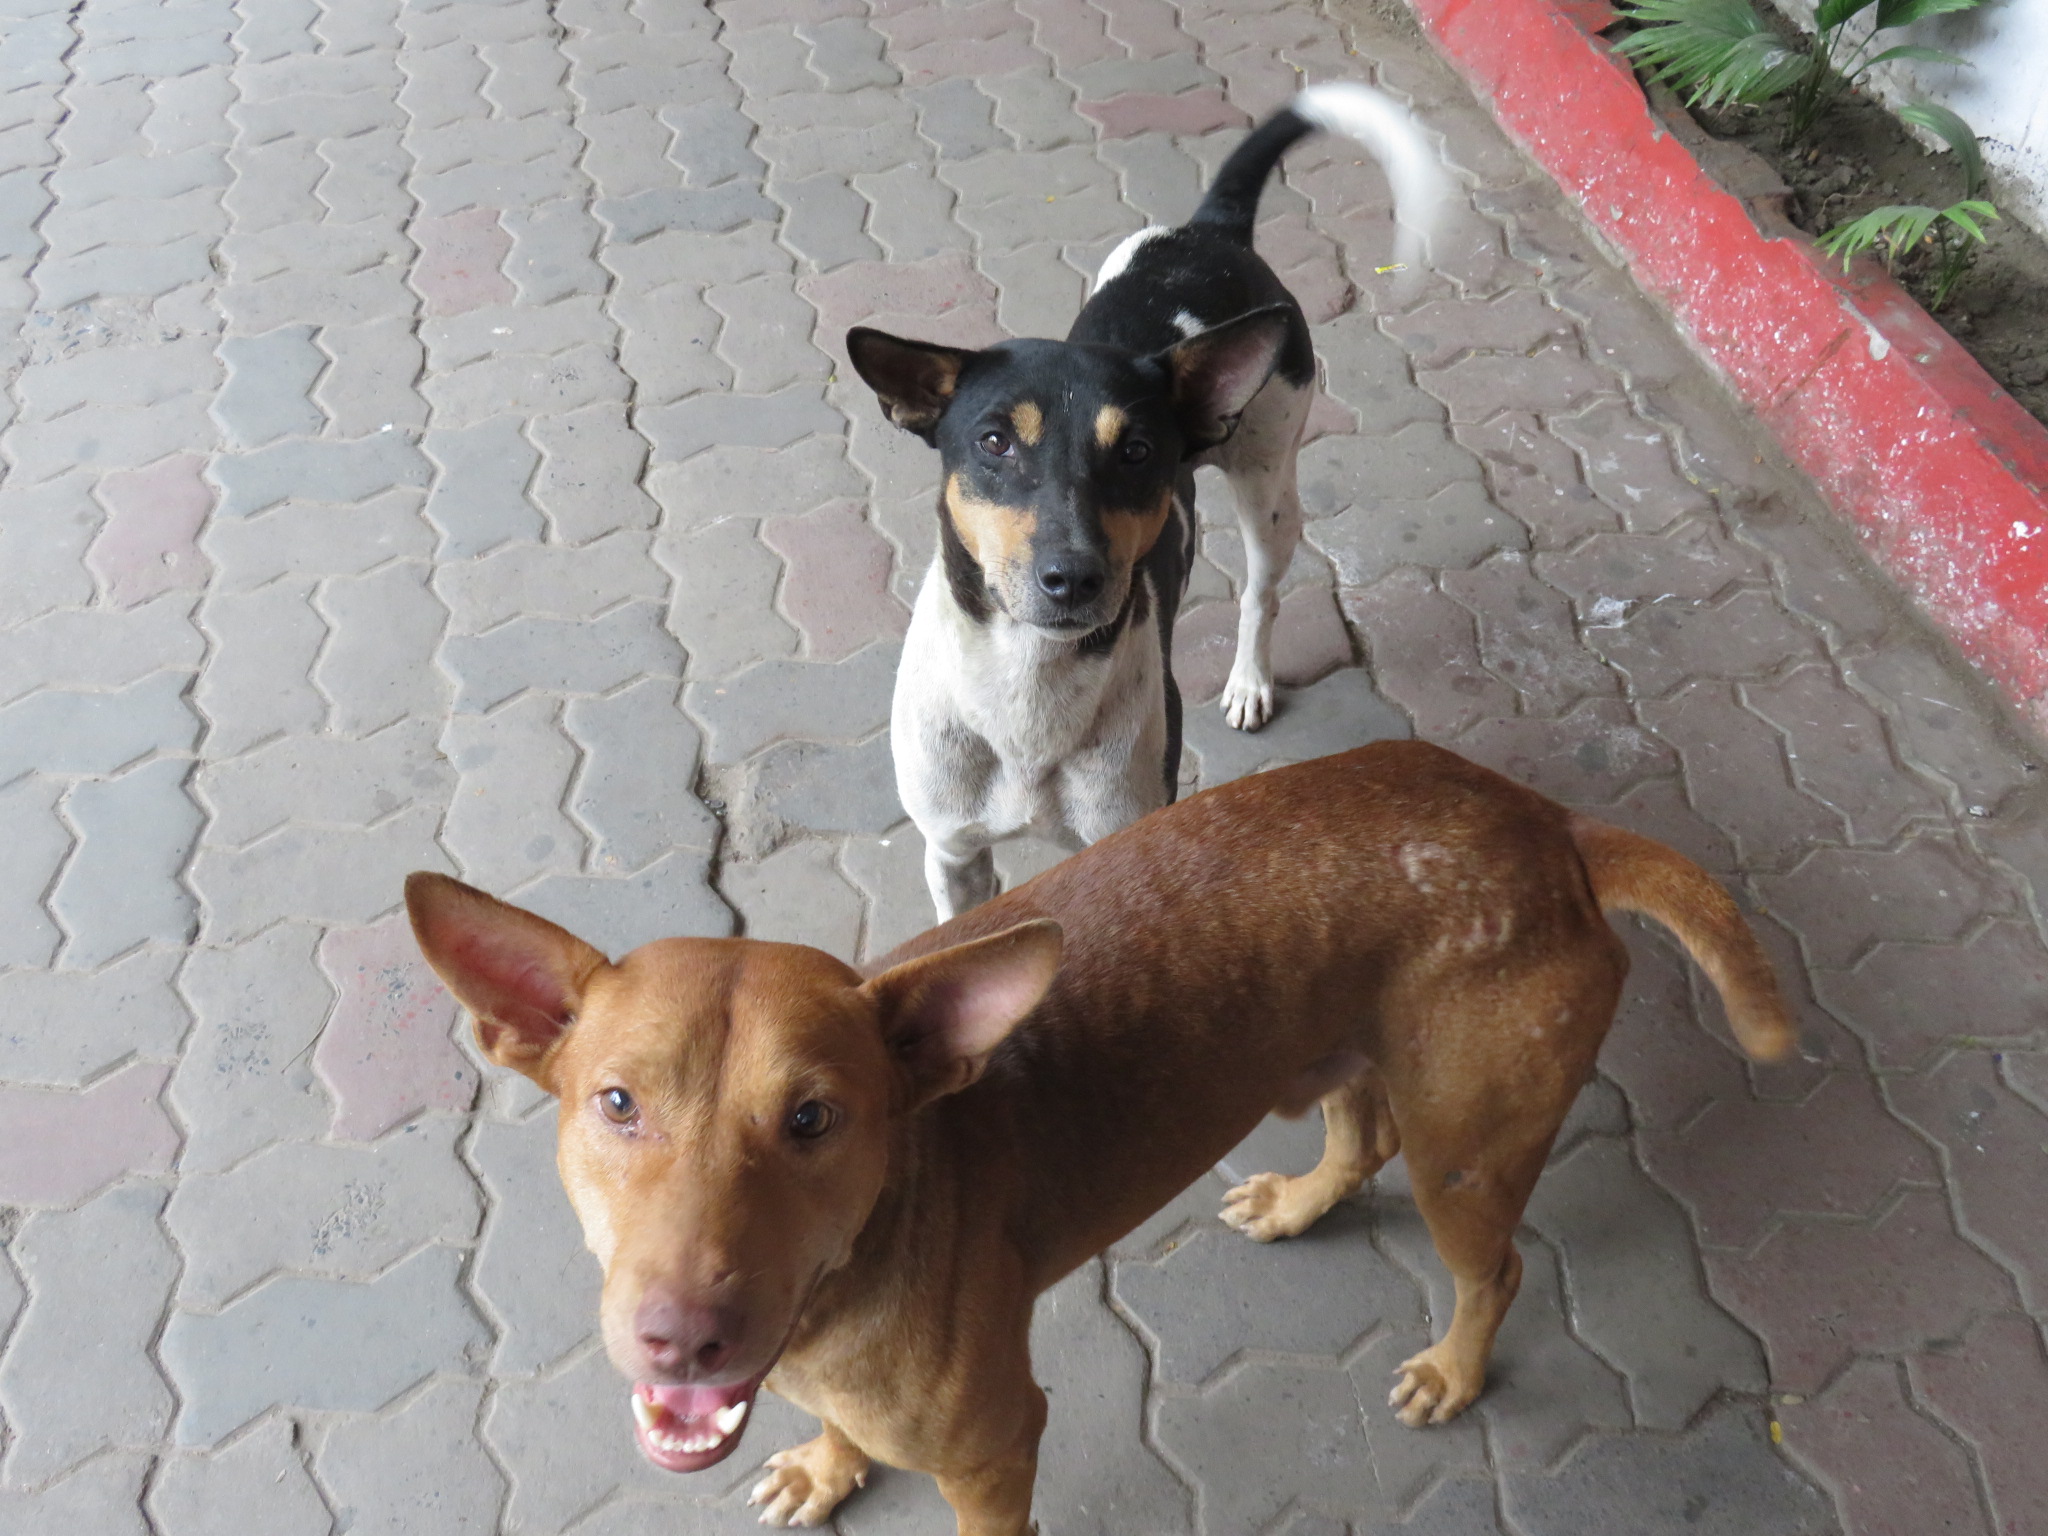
861	1184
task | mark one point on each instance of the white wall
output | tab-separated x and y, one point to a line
2004	96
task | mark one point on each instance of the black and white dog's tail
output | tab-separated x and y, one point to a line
1358	112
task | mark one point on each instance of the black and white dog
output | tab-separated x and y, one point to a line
1036	692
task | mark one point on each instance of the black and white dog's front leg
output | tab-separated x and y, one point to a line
959	870
1259	461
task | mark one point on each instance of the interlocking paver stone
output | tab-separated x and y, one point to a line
806	700
147	545
633	785
479	499
76	1376
468	382
339	471
245	1078
587	656
1997	1146
1719	1478
795	896
302	1342
258	1483
315	1209
417	1471
507	824
531	1271
670	898
1890	1468
103	1496
1219	1293
385	1053
1635	1295
57	1148
268	394
60	1028
1988	1386
120	887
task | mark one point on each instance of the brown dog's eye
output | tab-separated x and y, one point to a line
618	1106
810	1120
995	443
1135	452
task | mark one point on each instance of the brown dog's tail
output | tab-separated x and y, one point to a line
1639	874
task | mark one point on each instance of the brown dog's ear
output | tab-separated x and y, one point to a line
944	1013
1215	374
913	379
519	974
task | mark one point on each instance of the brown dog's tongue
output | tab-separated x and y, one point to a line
685	1429
697	1402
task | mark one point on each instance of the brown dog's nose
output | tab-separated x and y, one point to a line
689	1340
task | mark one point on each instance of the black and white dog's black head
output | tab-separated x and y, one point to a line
1060	459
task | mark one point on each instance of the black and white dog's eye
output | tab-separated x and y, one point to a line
617	1106
810	1120
1134	452
995	443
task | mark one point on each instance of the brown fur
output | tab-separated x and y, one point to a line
1133	531
997	536
1409	937
1029	421
1109	426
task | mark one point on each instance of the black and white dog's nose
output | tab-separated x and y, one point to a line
1072	577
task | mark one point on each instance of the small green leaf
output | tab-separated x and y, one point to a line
1900	13
1964	216
1830	14
1912	51
1954	132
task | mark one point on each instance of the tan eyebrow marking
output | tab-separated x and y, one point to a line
1109	426
1029	421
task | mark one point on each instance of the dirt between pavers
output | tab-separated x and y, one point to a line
1859	158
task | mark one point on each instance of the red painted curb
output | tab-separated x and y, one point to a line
1943	475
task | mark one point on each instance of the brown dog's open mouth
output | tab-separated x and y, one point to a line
686	1429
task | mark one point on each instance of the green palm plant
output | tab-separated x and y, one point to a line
1954	234
1719	51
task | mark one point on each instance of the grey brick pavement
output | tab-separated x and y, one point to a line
423	445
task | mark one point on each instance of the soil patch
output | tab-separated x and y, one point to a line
1859	158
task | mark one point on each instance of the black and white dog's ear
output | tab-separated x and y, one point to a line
913	379
1216	373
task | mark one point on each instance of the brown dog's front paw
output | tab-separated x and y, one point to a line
1430	1390
1270	1206
805	1485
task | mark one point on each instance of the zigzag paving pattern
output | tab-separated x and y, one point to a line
427	444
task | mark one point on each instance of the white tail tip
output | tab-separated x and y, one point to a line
1422	188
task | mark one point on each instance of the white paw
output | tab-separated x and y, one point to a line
1248	700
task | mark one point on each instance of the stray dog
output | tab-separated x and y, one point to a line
1036	691
853	1187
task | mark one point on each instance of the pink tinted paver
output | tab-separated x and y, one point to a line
149	543
387	1053
1200	111
459	260
836	589
57	1148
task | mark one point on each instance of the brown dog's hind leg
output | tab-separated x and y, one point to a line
805	1485
1472	1212
1358	1138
